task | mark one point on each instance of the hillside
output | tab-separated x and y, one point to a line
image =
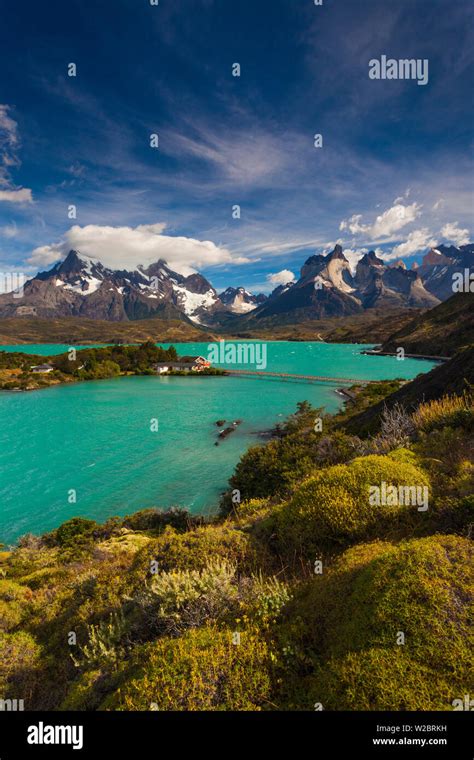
78	330
371	326
440	331
454	376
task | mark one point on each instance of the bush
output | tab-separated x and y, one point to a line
19	655
158	519
333	508
347	656
203	670
12	604
449	411
85	692
104	645
184	599
379	679
72	533
194	549
274	469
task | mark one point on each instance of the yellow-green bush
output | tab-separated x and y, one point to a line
351	618
203	670
13	599
19	654
252	508
85	692
194	549
380	679
449	411
183	599
333	508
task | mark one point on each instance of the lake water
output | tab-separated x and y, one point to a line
95	437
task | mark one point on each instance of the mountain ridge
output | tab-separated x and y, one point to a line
82	286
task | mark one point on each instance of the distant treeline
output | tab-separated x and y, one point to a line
83	364
137	359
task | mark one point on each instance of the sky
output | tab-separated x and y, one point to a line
147	151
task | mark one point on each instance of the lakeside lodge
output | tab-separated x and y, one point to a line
183	364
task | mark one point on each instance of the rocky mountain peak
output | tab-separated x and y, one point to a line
371	259
336	254
435	257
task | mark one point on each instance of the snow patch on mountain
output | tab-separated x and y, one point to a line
192	303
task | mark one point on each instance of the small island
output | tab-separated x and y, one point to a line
25	372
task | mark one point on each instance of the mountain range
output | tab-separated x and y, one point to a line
81	286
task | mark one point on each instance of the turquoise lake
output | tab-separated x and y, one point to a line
95	437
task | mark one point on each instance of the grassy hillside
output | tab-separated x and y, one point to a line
372	326
440	331
72	330
453	376
303	592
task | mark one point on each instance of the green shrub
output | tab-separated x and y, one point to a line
203	670
344	627
252	507
13	599
104	643
449	411
158	519
19	656
380	679
72	533
194	549
85	692
333	508
265	600
183	599
448	455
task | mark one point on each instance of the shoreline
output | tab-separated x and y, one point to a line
423	357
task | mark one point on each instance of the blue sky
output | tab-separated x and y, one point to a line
394	174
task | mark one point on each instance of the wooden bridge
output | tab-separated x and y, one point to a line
290	376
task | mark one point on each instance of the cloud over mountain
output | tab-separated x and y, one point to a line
281	278
453	234
128	247
386	224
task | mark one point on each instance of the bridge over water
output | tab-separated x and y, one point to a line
291	376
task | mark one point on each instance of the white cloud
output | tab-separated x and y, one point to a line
9	230
403	197
436	206
416	241
244	156
22	195
127	247
8	132
353	256
453	234
9	144
353	225
281	278
392	220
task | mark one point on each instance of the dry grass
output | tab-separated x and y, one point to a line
447	411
